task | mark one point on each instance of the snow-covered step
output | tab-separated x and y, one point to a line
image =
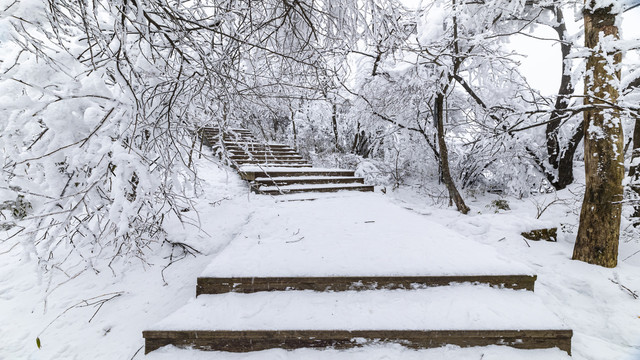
280	162
368	352
269	164
286	152
463	315
364	235
250	172
251	156
221	285
257	145
289	180
300	188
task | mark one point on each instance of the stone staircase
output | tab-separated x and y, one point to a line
276	169
365	272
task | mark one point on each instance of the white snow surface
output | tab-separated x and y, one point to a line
371	352
597	303
457	307
364	234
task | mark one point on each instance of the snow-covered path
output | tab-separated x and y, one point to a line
358	234
602	314
351	234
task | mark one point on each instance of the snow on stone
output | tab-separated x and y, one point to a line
364	234
456	307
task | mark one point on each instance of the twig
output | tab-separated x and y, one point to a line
631	255
294	241
136	353
622	287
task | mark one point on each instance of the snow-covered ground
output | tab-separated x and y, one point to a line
101	315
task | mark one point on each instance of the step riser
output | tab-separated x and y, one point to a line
251	175
310	182
267	157
208	285
229	133
251	148
299	191
279	165
263	153
246	341
271	162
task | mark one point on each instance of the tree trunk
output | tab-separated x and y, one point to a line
295	132
599	229
561	160
334	124
634	170
444	157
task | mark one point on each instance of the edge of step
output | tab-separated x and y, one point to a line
301	188
221	285
246	341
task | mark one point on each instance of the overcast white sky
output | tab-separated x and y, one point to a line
542	63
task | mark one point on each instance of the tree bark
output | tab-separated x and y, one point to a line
634	170
444	157
334	124
561	160
599	229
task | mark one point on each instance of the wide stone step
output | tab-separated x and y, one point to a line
249	156
270	165
270	160
257	145
279	152
309	180
292	163
251	172
221	285
301	188
226	133
462	315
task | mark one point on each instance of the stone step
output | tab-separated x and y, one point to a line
248	341
250	172
225	136
309	180
246	156
279	162
221	285
242	152
257	147
302	188
462	315
226	131
272	165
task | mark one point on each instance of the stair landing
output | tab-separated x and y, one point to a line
360	235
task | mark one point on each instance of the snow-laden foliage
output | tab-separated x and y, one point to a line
101	103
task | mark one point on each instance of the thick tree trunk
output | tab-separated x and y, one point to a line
444	157
599	230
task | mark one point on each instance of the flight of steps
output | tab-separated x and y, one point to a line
258	312
276	169
253	314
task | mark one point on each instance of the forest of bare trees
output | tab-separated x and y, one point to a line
101	103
